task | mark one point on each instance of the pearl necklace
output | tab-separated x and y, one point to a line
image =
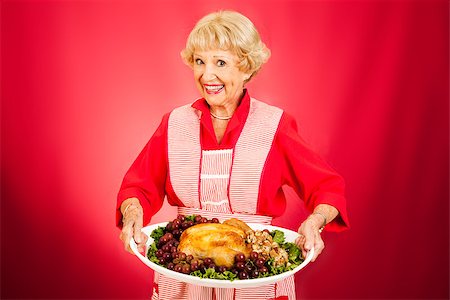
220	118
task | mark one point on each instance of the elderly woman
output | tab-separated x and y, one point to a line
228	155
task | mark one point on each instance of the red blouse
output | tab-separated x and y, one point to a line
289	162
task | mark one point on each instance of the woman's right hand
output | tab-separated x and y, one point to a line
132	220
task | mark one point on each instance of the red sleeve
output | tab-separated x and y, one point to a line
308	174
146	177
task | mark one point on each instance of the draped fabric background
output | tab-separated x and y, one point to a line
85	83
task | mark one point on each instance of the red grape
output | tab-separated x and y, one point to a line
260	262
215	220
254	255
176	233
178	268
170	266
263	270
255	274
182	256
186	269
181	218
207	261
243	275
176	260
194	268
169	226
239	257
166	248
240	265
198	219
159	253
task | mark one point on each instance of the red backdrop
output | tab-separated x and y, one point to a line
85	83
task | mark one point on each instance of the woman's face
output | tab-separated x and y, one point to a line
218	78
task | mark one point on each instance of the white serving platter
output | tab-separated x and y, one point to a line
290	236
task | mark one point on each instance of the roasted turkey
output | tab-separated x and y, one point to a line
221	242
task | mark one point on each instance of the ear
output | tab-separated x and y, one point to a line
247	76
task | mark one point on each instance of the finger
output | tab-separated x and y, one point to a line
142	245
318	246
141	248
309	241
138	235
126	232
300	241
125	236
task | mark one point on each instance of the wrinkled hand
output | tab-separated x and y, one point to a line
310	236
132	225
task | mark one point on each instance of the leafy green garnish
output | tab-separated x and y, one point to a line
278	236
151	254
157	233
190	218
212	274
295	255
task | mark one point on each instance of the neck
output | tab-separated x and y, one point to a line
220	117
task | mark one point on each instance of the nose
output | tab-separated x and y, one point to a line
209	73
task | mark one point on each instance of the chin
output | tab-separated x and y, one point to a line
214	99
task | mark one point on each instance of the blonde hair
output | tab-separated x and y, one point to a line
229	31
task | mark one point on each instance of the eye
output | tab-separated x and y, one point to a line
198	61
220	63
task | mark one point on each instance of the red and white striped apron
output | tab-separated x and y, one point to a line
222	184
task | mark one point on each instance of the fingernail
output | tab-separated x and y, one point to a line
137	238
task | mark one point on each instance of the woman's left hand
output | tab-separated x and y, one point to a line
310	236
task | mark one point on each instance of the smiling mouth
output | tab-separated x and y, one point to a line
214	89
